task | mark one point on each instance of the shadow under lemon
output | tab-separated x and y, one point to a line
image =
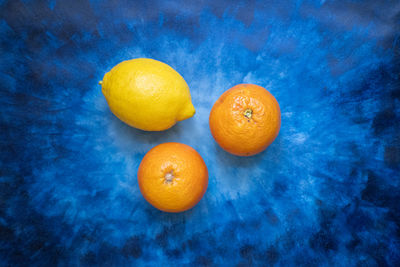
130	138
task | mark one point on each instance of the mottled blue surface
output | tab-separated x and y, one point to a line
325	193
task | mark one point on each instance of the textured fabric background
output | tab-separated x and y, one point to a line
325	193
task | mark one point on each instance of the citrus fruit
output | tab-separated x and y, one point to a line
173	177
245	120
147	94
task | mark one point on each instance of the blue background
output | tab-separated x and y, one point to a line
325	193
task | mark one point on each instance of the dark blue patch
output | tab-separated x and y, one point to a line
392	156
358	221
272	255
246	251
203	261
162	238
383	120
89	259
379	193
133	247
353	243
174	254
279	188
323	241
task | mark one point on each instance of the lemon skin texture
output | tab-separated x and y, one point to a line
147	94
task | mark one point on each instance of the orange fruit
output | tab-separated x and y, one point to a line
173	177
245	120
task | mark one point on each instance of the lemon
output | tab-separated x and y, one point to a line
147	94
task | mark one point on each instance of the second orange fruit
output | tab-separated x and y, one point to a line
245	120
173	177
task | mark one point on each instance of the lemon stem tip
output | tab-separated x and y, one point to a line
101	82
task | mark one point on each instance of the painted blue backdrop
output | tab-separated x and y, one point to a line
325	193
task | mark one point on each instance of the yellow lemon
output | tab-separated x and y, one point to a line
147	94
